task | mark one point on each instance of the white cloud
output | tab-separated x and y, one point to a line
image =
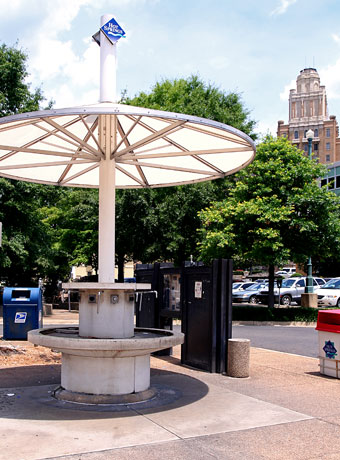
265	127
55	62
330	77
284	96
336	38
282	8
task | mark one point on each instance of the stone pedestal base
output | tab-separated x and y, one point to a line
99	371
309	300
238	357
105	376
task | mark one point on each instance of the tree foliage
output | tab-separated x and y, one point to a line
25	254
165	220
73	227
193	97
275	213
15	93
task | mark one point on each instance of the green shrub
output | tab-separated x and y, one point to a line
288	314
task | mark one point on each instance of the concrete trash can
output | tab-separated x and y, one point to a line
238	358
328	327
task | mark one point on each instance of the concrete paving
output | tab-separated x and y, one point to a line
285	410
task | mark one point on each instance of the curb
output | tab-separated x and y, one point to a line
275	323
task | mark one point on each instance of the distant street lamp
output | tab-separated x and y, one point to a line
309	282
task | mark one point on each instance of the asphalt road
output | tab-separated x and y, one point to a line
297	340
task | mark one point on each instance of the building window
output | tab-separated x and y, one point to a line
296	134
337	181
305	147
328	145
284	134
328	158
323	182
316	132
316	147
328	132
331	183
305	133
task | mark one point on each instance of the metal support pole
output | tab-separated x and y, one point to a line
309	289
107	65
107	168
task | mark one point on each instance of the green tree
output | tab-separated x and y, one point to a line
276	212
73	228
165	220
25	254
15	94
193	97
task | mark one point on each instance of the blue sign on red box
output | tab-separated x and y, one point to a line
113	31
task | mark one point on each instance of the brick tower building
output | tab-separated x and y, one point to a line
308	110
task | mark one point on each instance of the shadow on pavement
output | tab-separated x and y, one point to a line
34	401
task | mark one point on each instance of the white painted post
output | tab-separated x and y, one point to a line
107	65
107	176
106	250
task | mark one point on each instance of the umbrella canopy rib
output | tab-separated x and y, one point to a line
55	133
15	150
89	134
72	136
40	165
165	138
122	170
221	136
170	168
78	174
174	126
127	144
125	136
186	153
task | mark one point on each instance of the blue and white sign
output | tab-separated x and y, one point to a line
113	31
330	349
20	317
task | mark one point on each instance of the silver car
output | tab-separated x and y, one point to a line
249	294
241	286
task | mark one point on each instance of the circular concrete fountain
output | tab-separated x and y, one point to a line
105	360
105	371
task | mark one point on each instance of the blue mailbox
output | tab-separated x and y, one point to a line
22	311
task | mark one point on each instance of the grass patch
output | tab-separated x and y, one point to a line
288	314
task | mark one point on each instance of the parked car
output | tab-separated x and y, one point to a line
282	273
241	286
290	291
249	295
286	271
329	293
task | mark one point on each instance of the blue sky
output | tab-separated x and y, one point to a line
254	48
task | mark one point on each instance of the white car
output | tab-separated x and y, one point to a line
329	293
286	271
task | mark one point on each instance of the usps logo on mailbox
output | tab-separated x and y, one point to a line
20	317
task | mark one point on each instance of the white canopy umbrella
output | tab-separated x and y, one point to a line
109	146
149	148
